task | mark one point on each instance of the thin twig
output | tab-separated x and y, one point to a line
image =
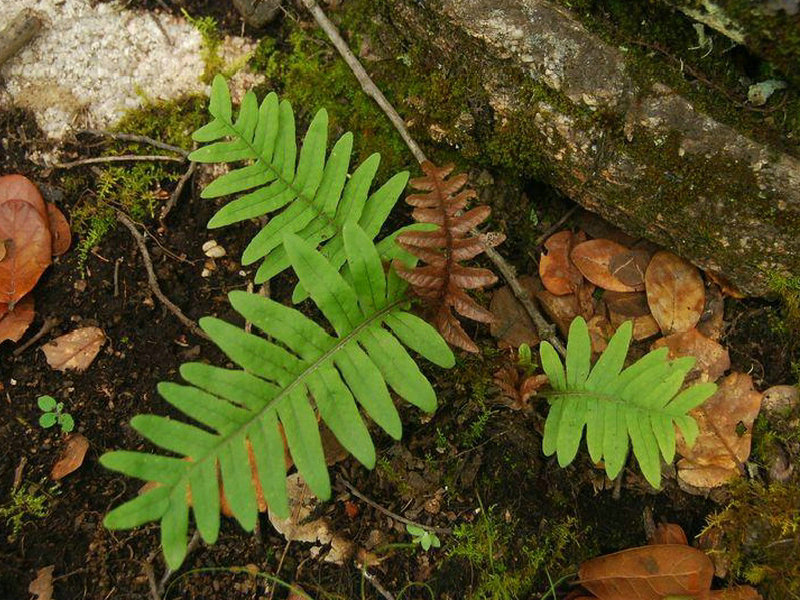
173	199
387	512
545	330
116	276
193	544
151	580
364	79
377	584
25	26
122	158
557	225
132	137
280	566
153	281
48	324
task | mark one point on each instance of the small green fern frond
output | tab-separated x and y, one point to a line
316	197
642	403
278	379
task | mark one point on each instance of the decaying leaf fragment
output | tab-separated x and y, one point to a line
593	259
511	324
675	292
60	234
74	350
556	270
725	422
71	456
42	586
14	323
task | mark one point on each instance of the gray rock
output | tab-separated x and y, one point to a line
258	13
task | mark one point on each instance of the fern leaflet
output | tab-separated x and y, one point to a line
277	381
642	403
316	198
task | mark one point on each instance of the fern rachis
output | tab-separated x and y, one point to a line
643	403
234	407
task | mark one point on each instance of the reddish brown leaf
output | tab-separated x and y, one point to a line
442	281
511	324
27	241
42	586
725	421
19	187
15	323
740	592
712	359
593	259
600	332
558	274
60	233
74	350
675	292
668	533
627	304
648	573
71	456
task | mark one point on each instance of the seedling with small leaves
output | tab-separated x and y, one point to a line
423	537
53	412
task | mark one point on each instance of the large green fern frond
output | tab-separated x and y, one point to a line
642	403
304	371
316	197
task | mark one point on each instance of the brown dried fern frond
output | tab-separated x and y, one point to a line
442	282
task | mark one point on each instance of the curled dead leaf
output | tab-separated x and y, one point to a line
14	323
60	233
19	187
71	456
725	422
556	270
593	259
74	350
27	242
712	358
675	292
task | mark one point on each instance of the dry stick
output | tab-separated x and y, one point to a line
387	512
377	584
545	330
49	323
122	158
193	544
153	281
140	139
173	199
25	26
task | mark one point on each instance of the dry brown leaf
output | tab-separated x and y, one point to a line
557	272
668	533
42	586
600	332
511	325
60	233
593	259
14	324
74	350
302	503
740	592
643	327
2	249
19	187
516	392
728	289
71	456
27	241
725	421
648	573
675	292
629	267
712	359
627	304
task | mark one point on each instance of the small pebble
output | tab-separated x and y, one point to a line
213	250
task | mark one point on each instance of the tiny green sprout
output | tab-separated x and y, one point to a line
53	413
423	537
526	358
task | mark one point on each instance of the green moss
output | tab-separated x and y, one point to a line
758	535
788	289
506	567
29	501
212	41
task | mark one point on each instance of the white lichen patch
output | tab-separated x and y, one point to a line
91	63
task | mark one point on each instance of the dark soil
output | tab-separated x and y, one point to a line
435	476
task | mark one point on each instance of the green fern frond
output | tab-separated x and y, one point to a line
316	197
642	403
276	384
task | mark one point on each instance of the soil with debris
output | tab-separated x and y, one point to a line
475	462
